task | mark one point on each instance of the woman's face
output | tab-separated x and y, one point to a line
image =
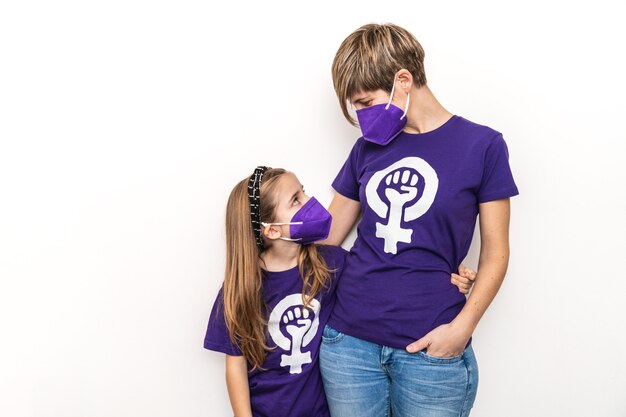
369	98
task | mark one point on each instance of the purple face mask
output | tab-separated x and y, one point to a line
381	123
310	224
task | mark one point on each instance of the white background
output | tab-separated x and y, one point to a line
125	124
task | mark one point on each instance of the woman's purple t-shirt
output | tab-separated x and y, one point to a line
419	200
291	385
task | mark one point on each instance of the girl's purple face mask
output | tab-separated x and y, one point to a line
381	123
310	224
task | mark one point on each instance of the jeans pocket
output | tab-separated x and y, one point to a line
438	360
330	335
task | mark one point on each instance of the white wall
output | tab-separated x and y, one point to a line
124	125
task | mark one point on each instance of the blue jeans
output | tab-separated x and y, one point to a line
365	379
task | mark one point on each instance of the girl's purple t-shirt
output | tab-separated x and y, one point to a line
291	385
419	200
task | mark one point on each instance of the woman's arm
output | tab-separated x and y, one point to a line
450	339
345	212
237	383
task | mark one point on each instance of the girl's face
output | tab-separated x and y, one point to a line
290	197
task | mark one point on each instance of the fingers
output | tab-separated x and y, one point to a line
461	279
464	284
418	345
467	273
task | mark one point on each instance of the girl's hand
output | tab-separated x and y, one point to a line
444	341
464	280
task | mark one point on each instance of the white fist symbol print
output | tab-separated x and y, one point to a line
301	325
401	187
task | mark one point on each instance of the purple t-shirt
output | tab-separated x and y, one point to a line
419	200
291	385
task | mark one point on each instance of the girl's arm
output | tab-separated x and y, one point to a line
450	339
345	212
464	279
237	383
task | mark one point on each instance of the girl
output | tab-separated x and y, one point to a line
277	296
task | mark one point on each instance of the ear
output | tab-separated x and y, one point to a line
404	80
271	232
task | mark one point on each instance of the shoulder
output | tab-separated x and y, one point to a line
358	146
334	256
477	134
360	142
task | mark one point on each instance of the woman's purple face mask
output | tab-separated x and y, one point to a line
380	121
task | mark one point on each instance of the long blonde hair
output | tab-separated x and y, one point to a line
244	308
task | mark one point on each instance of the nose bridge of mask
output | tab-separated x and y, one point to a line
301	214
408	98
316	222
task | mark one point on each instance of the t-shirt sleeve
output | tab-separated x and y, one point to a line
217	337
497	180
346	182
335	257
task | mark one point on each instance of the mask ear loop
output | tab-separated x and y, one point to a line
393	88
278	224
408	99
406	108
264	224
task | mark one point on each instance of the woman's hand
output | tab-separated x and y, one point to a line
464	279
450	339
444	341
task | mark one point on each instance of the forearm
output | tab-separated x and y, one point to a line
450	339
492	265
492	268
237	383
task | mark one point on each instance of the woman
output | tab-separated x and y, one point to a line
399	339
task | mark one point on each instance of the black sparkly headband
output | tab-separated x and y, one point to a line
254	197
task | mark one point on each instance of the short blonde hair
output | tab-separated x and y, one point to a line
369	57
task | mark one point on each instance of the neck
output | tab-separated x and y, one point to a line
425	112
281	256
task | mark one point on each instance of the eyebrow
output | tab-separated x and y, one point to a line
296	193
